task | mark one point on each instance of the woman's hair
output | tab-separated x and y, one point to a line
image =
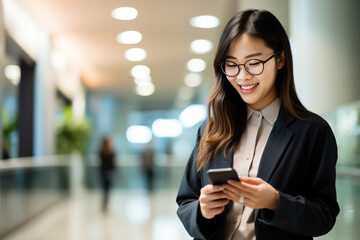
106	146
227	111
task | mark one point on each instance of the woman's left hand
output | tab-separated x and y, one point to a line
253	193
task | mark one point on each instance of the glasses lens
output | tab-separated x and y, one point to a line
254	66
230	69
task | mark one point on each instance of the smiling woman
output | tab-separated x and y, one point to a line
284	155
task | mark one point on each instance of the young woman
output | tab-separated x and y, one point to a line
284	155
107	169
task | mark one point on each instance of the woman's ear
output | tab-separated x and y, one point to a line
281	60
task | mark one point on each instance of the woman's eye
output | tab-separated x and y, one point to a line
254	63
231	65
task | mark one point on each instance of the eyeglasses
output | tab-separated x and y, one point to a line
252	66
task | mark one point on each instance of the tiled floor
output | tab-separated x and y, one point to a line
135	214
347	222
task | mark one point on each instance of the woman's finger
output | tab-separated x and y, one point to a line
238	187
208	189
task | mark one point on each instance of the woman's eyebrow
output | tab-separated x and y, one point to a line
248	56
253	55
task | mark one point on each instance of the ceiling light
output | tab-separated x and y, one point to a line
129	37
192	79
196	65
142	81
124	13
145	90
140	71
204	21
201	46
135	54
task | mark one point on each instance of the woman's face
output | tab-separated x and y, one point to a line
257	91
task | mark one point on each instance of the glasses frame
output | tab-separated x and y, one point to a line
238	65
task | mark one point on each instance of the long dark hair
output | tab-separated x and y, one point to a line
226	109
106	146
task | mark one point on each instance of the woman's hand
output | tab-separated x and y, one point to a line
253	193
212	200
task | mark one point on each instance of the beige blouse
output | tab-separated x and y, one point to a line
240	221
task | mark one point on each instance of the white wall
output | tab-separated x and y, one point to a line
326	36
280	8
44	102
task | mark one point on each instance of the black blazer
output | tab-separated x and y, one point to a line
299	161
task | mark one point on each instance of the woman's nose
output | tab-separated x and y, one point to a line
243	74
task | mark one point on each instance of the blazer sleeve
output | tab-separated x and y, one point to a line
188	201
312	213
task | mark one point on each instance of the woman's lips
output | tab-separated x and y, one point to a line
248	88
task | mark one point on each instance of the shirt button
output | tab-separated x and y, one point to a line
247	157
257	115
235	220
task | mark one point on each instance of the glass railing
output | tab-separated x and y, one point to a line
28	186
345	122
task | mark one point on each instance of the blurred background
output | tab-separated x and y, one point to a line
138	73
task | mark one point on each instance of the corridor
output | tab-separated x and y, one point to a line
135	214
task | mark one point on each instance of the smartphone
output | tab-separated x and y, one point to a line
219	176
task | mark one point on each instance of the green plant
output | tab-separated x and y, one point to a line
8	126
72	135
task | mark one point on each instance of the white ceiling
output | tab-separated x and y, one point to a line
87	32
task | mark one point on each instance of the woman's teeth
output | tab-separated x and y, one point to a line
248	86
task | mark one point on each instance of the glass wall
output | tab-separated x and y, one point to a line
345	122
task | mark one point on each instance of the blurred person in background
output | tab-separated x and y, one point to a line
285	155
107	169
147	163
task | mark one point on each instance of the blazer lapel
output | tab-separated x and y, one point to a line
279	138
222	161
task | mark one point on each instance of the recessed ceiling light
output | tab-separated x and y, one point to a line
142	81
135	54
204	21
145	90
201	46
140	71
196	65
129	37
192	79
124	13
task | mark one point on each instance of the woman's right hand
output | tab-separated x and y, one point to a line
212	200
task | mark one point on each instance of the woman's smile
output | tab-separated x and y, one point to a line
248	88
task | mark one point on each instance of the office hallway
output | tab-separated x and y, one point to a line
135	214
